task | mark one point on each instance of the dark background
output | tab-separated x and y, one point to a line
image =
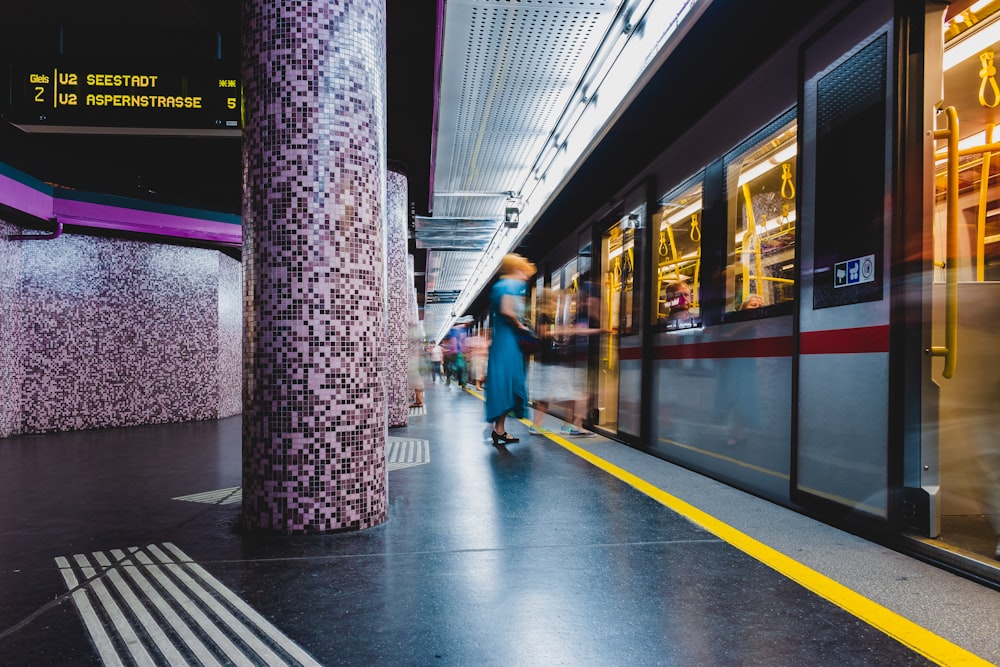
200	172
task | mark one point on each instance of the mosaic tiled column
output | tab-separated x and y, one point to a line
416	328
314	406
413	308
397	317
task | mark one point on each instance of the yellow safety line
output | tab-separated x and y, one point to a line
920	639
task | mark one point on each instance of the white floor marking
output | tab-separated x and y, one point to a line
219	497
121	623
163	645
155	606
105	648
406	452
187	637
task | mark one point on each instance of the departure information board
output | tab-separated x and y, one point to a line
124	99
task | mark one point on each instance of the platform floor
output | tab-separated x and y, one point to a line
121	545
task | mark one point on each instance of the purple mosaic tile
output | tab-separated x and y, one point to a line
116	333
397	297
230	350
314	393
11	332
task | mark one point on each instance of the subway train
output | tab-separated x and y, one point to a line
799	296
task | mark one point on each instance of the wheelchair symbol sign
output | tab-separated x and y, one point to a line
854	271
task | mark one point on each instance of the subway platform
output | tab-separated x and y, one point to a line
121	547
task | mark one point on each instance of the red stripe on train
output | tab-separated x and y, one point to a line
846	341
778	346
840	341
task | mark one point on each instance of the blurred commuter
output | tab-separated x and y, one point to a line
455	363
415	378
436	356
477	350
506	388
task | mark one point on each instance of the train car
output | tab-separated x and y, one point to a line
799	296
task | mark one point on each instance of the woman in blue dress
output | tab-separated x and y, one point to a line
506	384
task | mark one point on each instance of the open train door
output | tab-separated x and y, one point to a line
842	414
958	463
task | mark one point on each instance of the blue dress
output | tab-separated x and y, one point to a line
506	385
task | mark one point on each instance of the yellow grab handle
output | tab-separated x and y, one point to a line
950	349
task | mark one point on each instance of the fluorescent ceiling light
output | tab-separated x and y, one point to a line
972	42
769	163
684	213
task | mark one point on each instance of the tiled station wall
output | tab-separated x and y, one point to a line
103	332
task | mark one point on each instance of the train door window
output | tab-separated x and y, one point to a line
677	220
760	202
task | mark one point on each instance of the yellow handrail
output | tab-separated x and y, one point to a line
787	281
673	251
984	185
965	152
950	349
751	229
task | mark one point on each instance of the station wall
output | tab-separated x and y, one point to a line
102	332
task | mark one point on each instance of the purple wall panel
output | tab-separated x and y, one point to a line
314	392
120	332
113	333
27	194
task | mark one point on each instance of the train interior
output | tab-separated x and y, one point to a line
969	446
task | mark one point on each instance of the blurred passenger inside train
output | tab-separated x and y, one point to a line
555	380
677	298
507	386
752	302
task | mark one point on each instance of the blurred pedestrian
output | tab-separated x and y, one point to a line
506	388
415	378
436	356
477	350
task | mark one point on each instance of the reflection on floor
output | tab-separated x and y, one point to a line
125	544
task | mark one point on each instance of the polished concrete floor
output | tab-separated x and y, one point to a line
121	547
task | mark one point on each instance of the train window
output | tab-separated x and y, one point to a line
760	202
678	257
620	312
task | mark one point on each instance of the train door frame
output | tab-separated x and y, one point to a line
596	361
632	211
845	355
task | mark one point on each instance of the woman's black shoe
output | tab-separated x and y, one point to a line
503	438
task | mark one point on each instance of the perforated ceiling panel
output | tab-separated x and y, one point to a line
509	68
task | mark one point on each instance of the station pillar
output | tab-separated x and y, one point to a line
314	192
397	298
